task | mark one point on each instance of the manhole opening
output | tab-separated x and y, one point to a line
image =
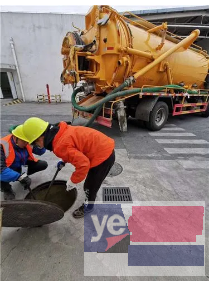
57	194
115	170
117	194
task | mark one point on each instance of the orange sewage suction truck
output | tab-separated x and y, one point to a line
119	67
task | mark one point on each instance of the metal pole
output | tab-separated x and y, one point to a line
189	26
137	52
17	67
31	192
48	93
51	183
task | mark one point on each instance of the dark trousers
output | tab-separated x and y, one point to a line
33	167
96	176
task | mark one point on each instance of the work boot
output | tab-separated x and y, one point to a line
9	194
83	210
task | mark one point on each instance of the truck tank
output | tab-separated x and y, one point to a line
113	48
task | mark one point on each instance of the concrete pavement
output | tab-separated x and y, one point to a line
150	169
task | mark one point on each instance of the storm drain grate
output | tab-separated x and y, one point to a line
116	194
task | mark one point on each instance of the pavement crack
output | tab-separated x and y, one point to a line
13	249
128	156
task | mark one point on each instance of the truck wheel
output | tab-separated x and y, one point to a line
158	116
205	113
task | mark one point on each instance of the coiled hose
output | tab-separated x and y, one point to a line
118	93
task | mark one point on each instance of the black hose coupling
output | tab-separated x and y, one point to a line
88	87
129	81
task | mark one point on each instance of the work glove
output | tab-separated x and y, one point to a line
25	181
70	185
60	164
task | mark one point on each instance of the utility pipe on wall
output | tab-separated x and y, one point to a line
17	67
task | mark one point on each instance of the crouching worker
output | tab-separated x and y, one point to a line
88	150
17	161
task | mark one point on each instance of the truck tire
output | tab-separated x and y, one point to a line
158	116
205	113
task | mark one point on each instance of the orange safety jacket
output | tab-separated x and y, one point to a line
10	152
83	147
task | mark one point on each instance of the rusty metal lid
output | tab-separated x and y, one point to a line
57	194
115	170
29	213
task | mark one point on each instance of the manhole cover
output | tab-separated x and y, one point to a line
57	194
115	170
29	213
117	194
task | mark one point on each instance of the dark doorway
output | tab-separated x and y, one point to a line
5	86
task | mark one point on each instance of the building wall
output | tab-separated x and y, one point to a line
38	39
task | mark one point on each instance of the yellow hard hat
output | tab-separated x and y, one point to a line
18	132
34	127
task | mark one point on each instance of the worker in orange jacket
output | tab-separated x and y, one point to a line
90	151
